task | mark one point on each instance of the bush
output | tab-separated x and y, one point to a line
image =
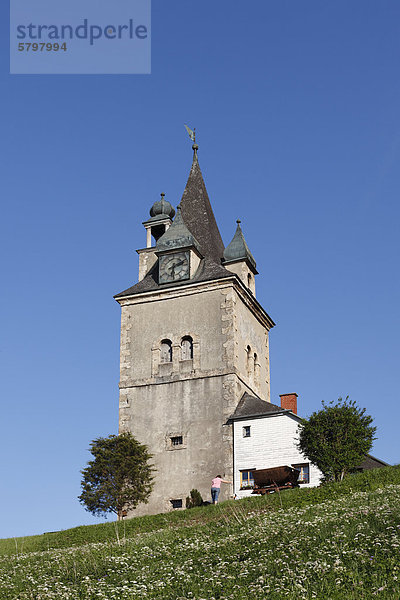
194	499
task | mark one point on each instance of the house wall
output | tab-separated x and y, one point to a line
272	443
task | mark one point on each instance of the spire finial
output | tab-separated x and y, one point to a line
238	221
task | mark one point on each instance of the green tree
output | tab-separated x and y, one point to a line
336	438
118	477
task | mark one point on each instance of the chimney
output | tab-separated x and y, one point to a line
289	402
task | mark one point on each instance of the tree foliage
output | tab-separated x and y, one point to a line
336	438
195	499
118	477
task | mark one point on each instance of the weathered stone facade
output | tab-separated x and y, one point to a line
180	406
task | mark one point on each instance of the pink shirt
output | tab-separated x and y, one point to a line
216	482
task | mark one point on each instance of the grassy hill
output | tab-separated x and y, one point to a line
341	541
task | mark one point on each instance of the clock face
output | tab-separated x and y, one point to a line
174	267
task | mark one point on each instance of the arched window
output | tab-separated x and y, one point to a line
248	351
249	280
166	351
257	368
187	348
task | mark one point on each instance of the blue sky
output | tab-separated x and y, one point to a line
296	106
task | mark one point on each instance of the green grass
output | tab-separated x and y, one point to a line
340	541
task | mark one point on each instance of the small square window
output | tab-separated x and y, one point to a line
177	503
177	440
246	431
304	469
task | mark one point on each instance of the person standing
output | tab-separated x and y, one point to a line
216	488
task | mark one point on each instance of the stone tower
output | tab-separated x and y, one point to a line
194	339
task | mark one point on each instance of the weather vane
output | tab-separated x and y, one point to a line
192	134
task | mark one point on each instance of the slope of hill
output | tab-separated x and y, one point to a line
339	541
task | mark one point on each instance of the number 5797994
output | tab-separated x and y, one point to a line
41	47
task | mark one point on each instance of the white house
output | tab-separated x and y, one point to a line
264	436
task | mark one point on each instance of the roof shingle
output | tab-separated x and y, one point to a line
251	406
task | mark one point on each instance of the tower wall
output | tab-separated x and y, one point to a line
188	399
193	409
253	334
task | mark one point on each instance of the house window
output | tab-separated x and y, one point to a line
166	351
246	431
187	348
304	469
246	480
177	440
177	503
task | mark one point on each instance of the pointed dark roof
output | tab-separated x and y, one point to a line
238	249
251	406
198	214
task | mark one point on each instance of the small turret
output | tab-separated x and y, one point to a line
239	259
161	215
